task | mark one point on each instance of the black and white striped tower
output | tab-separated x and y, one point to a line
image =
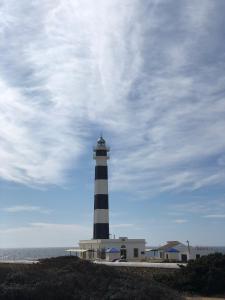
101	205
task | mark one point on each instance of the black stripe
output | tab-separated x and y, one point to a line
101	231
101	172
101	153
101	201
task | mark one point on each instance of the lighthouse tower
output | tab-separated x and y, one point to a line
101	201
101	246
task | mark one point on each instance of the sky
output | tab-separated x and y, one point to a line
147	74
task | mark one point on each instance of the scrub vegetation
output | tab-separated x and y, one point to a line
70	278
204	276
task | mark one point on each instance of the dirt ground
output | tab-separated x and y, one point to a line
205	298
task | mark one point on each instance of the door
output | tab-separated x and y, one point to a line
123	253
184	257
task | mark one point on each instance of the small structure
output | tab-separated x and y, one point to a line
75	252
177	251
172	254
170	251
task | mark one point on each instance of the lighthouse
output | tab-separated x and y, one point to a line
101	198
101	246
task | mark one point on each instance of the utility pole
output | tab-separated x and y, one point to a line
188	243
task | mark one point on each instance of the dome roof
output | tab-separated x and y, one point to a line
172	250
101	141
112	250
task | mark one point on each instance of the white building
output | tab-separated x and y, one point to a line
177	251
111	249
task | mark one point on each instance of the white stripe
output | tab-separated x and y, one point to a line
101	216
101	161
101	186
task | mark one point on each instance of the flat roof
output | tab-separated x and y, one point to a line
76	250
112	241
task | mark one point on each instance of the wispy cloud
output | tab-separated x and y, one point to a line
215	216
122	225
154	84
199	207
25	208
44	234
180	221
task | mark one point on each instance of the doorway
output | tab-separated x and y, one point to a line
123	252
184	257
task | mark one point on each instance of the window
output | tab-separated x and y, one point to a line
135	252
123	253
197	256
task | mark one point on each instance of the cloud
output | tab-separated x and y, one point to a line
25	208
41	234
199	206
215	216
122	225
154	85
180	221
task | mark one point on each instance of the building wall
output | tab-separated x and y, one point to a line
151	254
123	243
112	256
195	251
172	256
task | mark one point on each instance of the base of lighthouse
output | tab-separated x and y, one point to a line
112	249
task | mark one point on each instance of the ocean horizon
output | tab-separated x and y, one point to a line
32	253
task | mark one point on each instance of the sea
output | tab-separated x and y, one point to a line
31	254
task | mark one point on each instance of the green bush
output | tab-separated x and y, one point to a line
205	276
